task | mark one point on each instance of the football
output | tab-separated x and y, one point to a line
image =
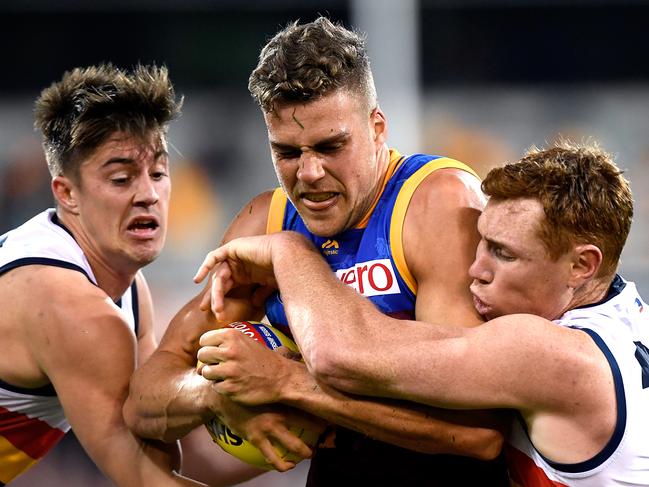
236	445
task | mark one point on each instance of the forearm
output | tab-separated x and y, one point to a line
140	463
168	399
405	424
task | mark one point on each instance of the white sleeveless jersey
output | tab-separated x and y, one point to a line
620	327
32	420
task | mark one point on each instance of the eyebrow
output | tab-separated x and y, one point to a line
130	160
491	243
341	137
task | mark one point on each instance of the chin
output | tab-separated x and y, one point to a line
324	228
143	257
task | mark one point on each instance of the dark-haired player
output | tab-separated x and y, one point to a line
399	229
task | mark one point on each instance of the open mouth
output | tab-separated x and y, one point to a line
318	197
143	225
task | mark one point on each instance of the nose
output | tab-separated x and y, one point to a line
310	168
146	193
480	270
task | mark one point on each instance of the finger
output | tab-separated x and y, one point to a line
272	456
213	372
214	338
211	259
293	444
209	355
205	301
222	283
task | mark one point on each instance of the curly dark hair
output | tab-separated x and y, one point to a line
306	62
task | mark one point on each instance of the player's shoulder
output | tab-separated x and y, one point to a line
51	303
252	218
445	191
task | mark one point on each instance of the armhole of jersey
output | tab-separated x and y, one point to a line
46	390
401	207
135	305
275	221
43	261
620	423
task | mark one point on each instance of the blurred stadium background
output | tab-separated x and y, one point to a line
476	80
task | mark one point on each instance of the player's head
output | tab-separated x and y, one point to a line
556	221
104	140
315	87
88	105
302	63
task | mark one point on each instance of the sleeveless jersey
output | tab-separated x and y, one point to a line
619	326
370	258
32	421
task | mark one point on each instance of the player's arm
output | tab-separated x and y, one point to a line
146	338
253	375
198	448
81	343
510	362
168	398
448	202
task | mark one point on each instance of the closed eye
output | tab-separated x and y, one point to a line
288	154
500	252
329	148
119	181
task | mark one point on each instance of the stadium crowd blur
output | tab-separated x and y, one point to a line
489	78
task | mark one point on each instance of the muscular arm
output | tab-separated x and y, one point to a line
518	361
253	375
439	241
87	351
439	261
167	397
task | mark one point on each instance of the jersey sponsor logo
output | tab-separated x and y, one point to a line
371	278
330	247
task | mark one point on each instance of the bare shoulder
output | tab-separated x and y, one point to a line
446	189
59	296
446	204
251	219
439	241
65	320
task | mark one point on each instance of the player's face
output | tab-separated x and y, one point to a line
123	199
512	271
329	156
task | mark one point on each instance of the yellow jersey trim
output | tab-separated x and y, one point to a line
401	207
395	161
15	461
276	211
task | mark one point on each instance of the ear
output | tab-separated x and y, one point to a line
65	193
379	125
587	259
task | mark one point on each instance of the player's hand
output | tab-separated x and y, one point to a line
241	261
243	369
268	429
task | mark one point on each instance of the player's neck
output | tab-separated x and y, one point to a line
384	173
113	276
590	293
